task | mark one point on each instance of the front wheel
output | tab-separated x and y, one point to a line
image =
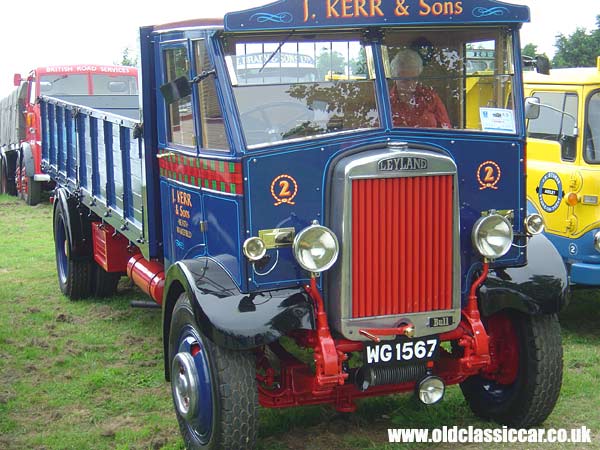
523	384
33	191
214	389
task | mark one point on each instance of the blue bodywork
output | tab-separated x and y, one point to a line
580	256
192	207
231	218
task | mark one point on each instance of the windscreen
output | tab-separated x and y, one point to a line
55	85
292	86
114	85
452	78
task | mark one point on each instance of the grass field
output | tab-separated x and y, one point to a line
89	375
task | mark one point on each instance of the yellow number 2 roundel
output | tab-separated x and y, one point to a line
284	189
488	175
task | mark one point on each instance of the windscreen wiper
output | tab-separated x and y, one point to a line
276	50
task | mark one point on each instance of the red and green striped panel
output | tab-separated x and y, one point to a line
221	176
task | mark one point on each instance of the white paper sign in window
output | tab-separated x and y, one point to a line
497	120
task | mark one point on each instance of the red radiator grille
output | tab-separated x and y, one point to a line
401	245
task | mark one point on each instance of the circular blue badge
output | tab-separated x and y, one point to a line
550	192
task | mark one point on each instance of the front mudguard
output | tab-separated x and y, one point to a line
28	160
228	317
540	287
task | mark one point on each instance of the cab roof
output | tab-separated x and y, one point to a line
185	24
572	76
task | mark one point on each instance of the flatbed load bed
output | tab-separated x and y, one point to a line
98	156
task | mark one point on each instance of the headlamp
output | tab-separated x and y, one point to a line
597	241
534	224
492	236
254	248
316	248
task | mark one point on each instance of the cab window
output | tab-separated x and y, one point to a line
32	93
211	117
558	122
180	129
458	79
592	130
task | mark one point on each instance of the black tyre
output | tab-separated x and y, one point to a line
527	362
214	389
7	174
104	284
30	190
74	274
3	184
33	192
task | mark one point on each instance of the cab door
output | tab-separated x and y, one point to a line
552	141
181	195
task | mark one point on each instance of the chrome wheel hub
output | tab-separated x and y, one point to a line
184	382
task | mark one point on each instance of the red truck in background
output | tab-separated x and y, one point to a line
108	88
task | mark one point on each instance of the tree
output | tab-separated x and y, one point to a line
128	60
530	50
580	49
359	65
328	61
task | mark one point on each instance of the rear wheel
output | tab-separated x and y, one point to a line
7	173
74	274
104	284
214	389
3	180
523	384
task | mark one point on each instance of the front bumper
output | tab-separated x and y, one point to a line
584	273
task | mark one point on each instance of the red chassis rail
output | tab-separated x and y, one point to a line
296	383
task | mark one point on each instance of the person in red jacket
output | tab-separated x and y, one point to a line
413	104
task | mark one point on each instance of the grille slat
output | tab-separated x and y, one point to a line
401	245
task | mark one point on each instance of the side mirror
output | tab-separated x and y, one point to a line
532	108
542	64
17	79
182	87
176	90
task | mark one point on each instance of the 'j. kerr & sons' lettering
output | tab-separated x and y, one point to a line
440	8
347	9
353	8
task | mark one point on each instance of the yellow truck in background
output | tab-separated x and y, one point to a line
563	165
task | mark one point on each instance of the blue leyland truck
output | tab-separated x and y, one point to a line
311	234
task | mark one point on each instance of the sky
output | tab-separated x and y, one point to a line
63	32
